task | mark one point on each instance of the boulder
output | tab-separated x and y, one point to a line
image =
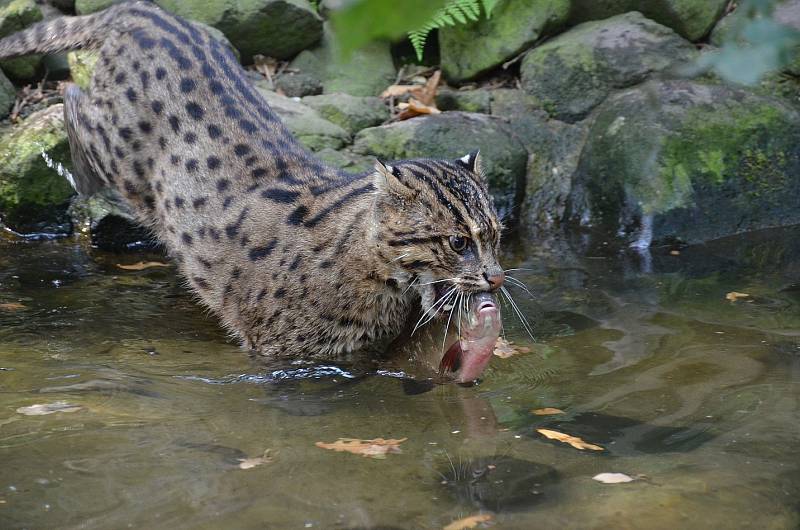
554	150
351	113
107	219
468	50
475	100
574	72
346	160
275	28
30	191
688	161
692	19
313	131
452	135
304	76
8	94
16	15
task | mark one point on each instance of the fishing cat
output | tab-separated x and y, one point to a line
296	257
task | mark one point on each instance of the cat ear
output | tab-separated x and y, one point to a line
388	180
472	161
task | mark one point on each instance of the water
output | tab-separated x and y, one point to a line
695	395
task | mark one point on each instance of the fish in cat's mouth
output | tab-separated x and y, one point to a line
479	329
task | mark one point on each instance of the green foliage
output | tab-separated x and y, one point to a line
359	22
454	12
755	46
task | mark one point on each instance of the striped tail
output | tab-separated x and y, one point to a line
60	34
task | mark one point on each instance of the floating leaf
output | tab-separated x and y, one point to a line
574	441
734	296
469	522
142	265
613	478
250	463
43	409
12	306
376	448
547	411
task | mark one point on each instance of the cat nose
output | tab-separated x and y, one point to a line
495	280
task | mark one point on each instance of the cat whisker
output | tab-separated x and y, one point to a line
452	309
517	283
518	312
401	256
439	281
433	309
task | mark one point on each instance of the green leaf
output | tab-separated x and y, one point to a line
364	21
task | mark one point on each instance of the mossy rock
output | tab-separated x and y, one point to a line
574	72
468	50
8	94
475	100
30	191
693	19
352	113
313	131
16	15
451	135
84	7
81	66
347	160
700	161
275	28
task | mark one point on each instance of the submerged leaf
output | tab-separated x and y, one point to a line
505	349
12	306
375	448
574	441
613	478
142	265
250	463
469	522
547	411
42	409
734	296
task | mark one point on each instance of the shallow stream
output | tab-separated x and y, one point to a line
695	396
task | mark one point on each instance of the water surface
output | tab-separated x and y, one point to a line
695	395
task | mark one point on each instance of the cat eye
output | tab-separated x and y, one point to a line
459	243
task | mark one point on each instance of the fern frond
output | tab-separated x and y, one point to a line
453	13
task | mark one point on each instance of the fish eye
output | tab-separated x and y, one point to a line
459	243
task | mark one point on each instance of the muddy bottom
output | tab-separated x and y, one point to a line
147	412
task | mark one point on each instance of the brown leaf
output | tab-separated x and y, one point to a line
142	265
469	522
250	463
414	108
574	441
395	91
733	296
12	306
376	448
505	349
547	411
42	409
428	95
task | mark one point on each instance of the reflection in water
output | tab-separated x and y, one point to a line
698	394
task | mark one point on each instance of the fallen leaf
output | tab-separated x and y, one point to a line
505	349
142	265
469	522
574	441
613	478
12	306
250	463
376	448
674	252
43	409
428	94
734	296
547	411
395	91
414	108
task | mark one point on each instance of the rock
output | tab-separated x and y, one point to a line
84	7
351	113
8	94
110	223
367	72
81	66
314	131
275	28
346	160
297	85
30	191
452	135
477	100
692	19
554	150
55	65
700	161
16	15
468	50
574	72
65	6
